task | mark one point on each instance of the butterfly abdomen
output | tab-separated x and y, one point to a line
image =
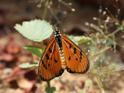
62	59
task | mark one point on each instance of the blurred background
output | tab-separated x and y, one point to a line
98	20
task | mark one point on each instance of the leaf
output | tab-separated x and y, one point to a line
50	89
80	39
34	50
28	65
36	30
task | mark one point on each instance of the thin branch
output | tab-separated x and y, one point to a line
45	9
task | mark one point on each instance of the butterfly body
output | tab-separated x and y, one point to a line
58	39
61	54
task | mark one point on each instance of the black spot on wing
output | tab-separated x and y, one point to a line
47	57
55	61
44	65
76	59
48	65
50	50
75	50
70	46
69	58
80	55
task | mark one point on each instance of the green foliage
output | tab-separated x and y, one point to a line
34	50
80	39
103	48
50	89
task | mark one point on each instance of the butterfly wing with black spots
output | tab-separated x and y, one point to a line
76	60
50	64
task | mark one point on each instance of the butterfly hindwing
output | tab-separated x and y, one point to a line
50	64
76	60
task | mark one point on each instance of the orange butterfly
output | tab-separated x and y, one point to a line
61	54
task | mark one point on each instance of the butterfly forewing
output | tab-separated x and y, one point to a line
76	60
50	63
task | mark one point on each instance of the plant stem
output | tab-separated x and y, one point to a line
116	31
48	84
99	83
45	9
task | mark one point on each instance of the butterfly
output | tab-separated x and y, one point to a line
60	54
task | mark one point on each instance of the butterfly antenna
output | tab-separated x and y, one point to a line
56	28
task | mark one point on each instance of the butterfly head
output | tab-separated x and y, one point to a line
56	31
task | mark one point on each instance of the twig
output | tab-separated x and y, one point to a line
100	85
98	53
45	9
116	31
48	84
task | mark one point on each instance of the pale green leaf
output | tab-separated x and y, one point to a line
28	65
36	30
80	39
